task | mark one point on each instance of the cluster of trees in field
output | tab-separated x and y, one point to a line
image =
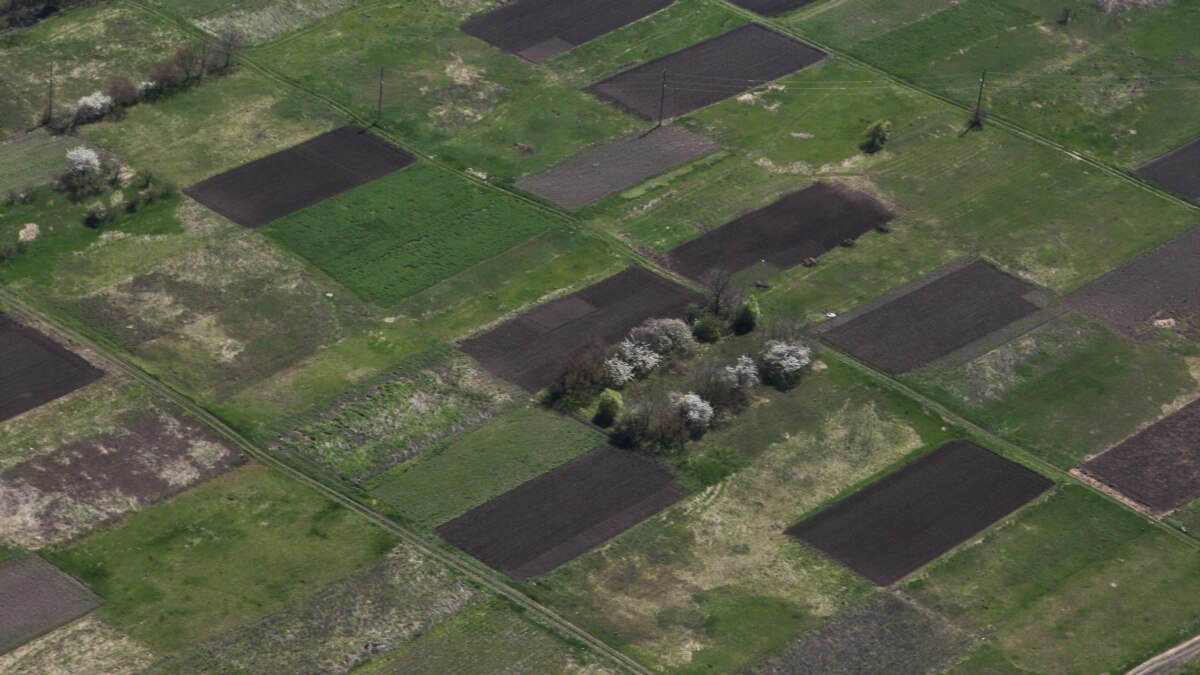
185	67
24	13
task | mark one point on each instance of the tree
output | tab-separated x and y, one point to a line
7	251
878	134
781	363
722	290
84	173
122	91
618	372
640	356
230	44
190	62
92	107
747	316
708	329
166	75
744	374
608	408
695	412
664	336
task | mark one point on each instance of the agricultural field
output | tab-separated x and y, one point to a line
257	21
38	598
32	160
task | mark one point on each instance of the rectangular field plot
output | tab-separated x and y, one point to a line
1163	284
1159	466
35	370
537	30
707	72
532	349
562	514
919	512
256	193
801	225
606	169
932	319
35	598
772	7
1177	171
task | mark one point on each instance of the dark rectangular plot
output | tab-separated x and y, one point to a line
915	514
772	7
564	513
934	320
538	30
35	598
532	349
597	172
35	370
804	224
1177	171
1162	284
1160	465
269	188
707	72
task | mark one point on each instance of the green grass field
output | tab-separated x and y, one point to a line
257	20
450	479
401	234
32	160
226	553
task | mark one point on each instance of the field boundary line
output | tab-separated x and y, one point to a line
1167	661
455	561
1000	121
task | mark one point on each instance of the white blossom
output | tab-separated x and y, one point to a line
618	372
94	106
783	361
744	374
695	411
83	160
665	335
640	356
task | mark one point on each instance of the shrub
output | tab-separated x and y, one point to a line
580	380
609	407
164	76
97	216
618	372
83	175
781	363
7	252
133	203
747	316
92	107
122	92
640	356
664	336
696	413
878	134
654	425
708	328
744	374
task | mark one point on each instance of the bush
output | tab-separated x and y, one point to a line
708	328
92	107
664	336
84	174
133	203
654	426
618	372
878	134
122	92
609	407
696	413
97	217
579	381
747	316
781	363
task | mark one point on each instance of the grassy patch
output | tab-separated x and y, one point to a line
467	471
1187	519
32	160
404	233
226	553
1066	390
257	20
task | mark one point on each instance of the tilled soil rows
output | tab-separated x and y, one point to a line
538	30
597	172
933	320
915	514
772	7
35	370
707	72
1159	466
1177	171
804	224
269	188
35	598
532	349
564	513
1161	285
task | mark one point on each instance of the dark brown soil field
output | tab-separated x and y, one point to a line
707	72
564	513
538	30
606	169
86	484
261	191
919	512
1163	284
804	224
35	598
933	320
35	370
1177	171
772	7
1160	465
532	349
884	635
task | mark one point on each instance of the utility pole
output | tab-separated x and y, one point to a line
977	116
48	119
379	106
662	103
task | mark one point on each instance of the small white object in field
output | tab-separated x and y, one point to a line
29	232
830	315
329	295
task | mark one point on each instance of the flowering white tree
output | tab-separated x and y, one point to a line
640	356
665	336
82	160
744	374
782	362
696	413
618	372
93	106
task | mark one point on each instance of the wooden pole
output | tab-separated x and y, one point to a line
977	118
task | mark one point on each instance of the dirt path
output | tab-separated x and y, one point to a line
1170	659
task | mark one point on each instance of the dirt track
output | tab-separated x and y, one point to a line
772	7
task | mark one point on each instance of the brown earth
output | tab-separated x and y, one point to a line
707	72
35	370
532	349
564	513
934	319
1160	465
1177	171
772	7
911	516
538	30
804	224
269	188
35	598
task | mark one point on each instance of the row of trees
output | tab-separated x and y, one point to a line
187	66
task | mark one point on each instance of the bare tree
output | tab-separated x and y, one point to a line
188	60
230	43
722	289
